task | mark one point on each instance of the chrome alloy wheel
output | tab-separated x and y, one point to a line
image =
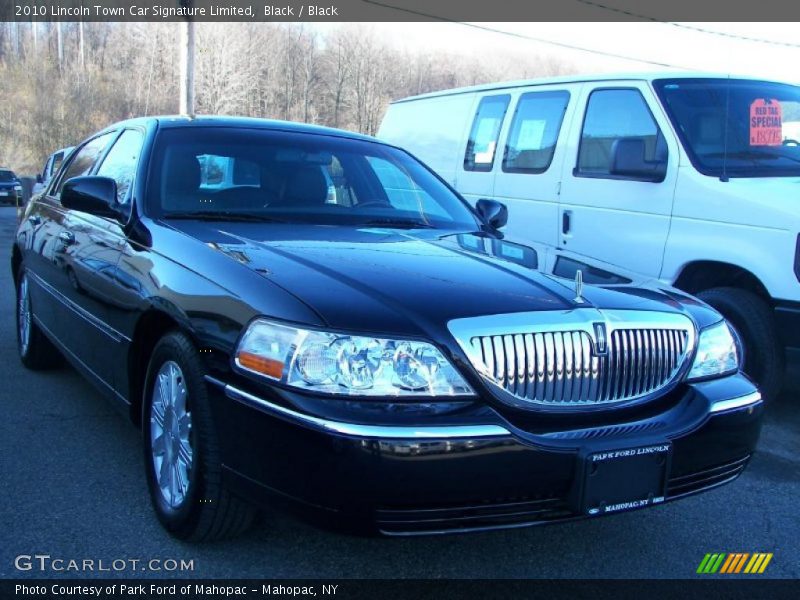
170	429
24	316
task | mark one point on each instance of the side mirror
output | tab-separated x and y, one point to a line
39	178
94	195
628	160
493	213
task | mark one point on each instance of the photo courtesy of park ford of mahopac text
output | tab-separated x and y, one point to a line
399	299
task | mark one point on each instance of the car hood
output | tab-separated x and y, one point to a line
414	282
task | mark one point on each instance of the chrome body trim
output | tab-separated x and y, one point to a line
104	327
736	403
431	432
363	431
554	359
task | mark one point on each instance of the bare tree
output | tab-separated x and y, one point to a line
66	80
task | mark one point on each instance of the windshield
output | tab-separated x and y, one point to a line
267	175
736	128
7	176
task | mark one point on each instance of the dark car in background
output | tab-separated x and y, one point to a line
302	313
10	187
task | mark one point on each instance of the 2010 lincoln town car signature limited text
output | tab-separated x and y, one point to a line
301	313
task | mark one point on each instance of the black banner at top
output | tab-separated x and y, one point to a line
400	10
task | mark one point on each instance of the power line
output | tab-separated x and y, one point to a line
528	37
732	36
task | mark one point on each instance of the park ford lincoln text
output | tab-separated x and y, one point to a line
302	313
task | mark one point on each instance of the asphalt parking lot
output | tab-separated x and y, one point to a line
73	483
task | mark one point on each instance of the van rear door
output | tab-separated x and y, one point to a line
619	179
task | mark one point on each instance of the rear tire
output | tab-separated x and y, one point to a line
35	351
182	456
752	319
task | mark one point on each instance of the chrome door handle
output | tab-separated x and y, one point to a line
35	220
66	237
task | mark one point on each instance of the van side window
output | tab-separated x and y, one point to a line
482	142
534	132
612	115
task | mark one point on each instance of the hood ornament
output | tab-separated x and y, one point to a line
579	287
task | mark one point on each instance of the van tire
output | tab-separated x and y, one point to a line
752	319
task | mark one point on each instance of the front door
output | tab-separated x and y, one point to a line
615	218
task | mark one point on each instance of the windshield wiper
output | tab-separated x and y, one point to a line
397	224
214	215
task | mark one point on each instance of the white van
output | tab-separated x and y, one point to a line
692	179
51	166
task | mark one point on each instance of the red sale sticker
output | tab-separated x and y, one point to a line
765	123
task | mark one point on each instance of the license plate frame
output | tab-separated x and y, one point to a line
617	480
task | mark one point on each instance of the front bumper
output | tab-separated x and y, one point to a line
404	480
11	196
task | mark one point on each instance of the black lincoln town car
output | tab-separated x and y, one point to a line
299	313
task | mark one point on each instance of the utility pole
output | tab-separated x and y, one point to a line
186	49
60	46
80	46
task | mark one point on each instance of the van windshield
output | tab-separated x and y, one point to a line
279	176
6	176
735	127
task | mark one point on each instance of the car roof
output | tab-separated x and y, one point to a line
177	121
643	76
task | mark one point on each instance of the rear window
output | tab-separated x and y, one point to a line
6	175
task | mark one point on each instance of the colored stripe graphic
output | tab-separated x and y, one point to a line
729	563
758	563
711	563
734	563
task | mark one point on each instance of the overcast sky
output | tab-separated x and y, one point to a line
659	42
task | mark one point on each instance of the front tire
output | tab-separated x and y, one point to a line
182	456
752	319
35	351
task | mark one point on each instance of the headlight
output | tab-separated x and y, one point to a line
717	353
332	363
17	188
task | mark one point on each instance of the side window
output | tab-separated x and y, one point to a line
613	115
223	172
57	160
534	132
120	162
485	131
212	170
84	160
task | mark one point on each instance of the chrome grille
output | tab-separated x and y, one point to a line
561	364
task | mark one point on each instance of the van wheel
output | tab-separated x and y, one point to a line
182	456
35	351
752	318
